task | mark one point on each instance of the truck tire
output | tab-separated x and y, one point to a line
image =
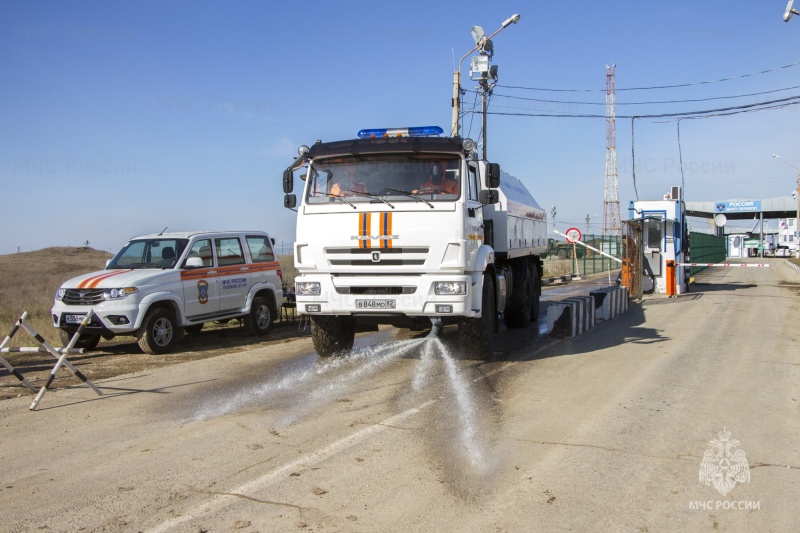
158	332
87	341
332	335
259	320
520	303
562	254
476	335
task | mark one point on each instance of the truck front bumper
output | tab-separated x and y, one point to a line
373	296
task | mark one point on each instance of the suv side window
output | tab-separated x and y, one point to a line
202	249
229	251
260	249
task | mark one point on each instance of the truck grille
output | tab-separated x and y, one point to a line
377	257
83	296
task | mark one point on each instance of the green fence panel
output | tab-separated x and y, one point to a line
705	248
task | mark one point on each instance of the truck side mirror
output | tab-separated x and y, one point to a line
290	201
492	175
487	197
288	181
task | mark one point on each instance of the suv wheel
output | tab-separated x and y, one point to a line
87	341
259	321
158	332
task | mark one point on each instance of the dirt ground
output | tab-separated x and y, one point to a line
122	355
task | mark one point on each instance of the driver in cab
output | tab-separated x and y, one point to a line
437	183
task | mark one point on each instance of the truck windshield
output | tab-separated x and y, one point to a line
149	253
378	178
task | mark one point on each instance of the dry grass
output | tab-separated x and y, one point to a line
29	282
557	267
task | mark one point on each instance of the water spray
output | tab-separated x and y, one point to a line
436	328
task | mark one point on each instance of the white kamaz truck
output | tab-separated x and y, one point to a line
408	228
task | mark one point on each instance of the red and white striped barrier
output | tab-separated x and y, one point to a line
722	265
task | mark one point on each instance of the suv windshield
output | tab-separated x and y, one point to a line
385	177
149	253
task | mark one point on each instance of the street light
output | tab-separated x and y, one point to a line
484	44
797	219
789	11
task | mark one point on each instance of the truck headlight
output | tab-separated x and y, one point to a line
307	288
119	294
60	293
443	288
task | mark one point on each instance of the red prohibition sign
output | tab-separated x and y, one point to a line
573	234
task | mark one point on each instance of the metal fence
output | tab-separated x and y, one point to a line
588	261
706	248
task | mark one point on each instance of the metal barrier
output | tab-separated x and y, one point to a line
59	353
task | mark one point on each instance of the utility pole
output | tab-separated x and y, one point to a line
611	216
480	66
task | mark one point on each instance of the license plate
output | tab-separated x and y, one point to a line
73	319
375	304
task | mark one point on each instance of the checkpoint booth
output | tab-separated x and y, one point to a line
664	243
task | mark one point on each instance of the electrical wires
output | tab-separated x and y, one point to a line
691	84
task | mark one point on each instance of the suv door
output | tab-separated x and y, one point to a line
232	273
200	284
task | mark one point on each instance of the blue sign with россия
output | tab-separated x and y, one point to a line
738	206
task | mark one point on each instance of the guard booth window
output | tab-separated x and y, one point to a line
653	232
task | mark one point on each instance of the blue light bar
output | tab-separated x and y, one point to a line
417	131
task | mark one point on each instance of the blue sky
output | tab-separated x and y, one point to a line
118	119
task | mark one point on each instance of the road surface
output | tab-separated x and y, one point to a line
604	432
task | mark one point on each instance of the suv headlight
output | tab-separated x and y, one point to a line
307	288
442	288
60	293
119	294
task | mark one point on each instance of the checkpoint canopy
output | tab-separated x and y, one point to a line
783	207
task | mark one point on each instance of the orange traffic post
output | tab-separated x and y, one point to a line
671	279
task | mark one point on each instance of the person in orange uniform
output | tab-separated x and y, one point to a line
348	183
437	183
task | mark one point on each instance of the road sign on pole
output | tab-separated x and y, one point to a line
573	234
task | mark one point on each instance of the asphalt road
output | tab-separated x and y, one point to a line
604	432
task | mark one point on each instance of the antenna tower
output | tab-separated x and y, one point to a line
611	219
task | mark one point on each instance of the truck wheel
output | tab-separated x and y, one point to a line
158	332
87	341
332	335
562	254
259	321
476	335
518	308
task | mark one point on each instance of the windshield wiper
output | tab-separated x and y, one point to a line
410	195
372	196
340	198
